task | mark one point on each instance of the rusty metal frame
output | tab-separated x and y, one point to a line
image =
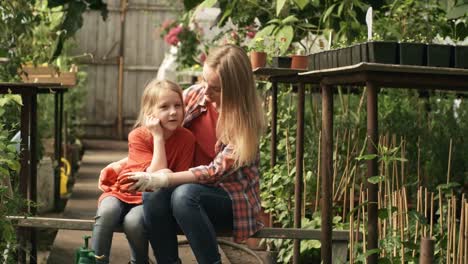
28	146
373	76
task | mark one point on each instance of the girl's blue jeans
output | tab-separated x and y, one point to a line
199	210
113	213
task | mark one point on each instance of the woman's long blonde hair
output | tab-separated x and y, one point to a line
241	121
150	97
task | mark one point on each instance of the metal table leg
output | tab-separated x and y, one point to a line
327	173
372	170
299	183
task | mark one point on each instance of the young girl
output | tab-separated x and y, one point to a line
157	142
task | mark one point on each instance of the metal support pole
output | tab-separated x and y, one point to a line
327	173
299	184
427	251
33	176
274	122
372	170
58	152
25	170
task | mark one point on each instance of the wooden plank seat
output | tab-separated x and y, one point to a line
340	238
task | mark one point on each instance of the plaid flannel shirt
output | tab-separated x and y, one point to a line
241	184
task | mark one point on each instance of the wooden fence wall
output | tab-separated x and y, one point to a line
112	103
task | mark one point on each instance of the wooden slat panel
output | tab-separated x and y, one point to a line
143	51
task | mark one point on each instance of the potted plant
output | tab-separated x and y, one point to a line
279	60
440	55
412	52
299	61
382	51
461	56
258	56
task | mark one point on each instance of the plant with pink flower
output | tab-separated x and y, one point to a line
172	36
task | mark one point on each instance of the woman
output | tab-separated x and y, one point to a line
225	115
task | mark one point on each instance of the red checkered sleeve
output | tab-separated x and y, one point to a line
221	166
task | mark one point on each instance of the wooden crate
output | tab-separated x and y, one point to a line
47	74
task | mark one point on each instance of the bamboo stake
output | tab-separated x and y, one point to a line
465	237
425	211
304	192
395	222
405	204
449	161
346	174
364	224
441	214
449	229
402	227
454	229
460	243
335	164
344	204
395	171
432	215
317	188
419	162
351	224
379	221
417	222
403	155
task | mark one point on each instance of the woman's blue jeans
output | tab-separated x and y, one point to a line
113	213
199	210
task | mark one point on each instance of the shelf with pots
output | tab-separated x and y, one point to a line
392	52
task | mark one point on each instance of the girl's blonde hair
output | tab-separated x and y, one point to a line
241	121
150	97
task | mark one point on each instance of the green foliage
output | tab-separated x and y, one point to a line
11	203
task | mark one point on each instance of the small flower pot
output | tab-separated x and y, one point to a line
439	55
299	62
258	59
461	57
412	54
281	62
383	52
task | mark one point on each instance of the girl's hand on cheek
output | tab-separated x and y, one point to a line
154	126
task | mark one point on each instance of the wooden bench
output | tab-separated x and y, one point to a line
340	238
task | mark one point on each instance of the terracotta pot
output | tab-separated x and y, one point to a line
258	59
300	62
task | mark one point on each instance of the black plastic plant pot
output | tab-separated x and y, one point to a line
344	57
323	60
281	62
412	54
364	52
356	56
383	52
317	61
439	55
461	57
312	66
333	58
